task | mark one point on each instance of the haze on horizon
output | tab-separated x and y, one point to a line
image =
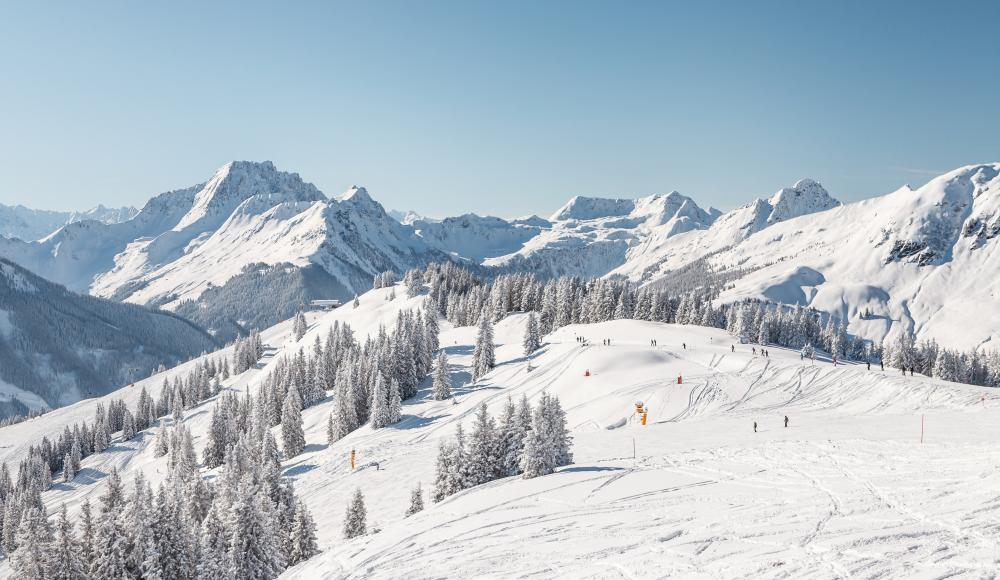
446	108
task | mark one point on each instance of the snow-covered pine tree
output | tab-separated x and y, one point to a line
414	282
431	329
303	536
293	438
395	404
442	471
512	429
213	543
484	356
33	557
354	520
532	337
483	453
299	326
67	561
416	501
356	302
441	388
254	548
87	532
68	473
380	414
344	418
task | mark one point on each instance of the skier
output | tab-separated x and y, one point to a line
755	426
786	421
754	349
732	348
869	365
882	364
685	345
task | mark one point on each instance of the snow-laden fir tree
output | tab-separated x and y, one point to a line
483	457
431	329
67	560
532	336
344	417
213	544
484	356
414	282
513	427
356	302
441	388
395	404
254	550
443	471
381	415
547	443
68	473
354	520
299	326
303	536
460	461
416	501
87	532
32	559
293	438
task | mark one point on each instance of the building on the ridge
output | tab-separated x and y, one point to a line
323	304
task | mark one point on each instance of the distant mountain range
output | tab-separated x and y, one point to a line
17	221
247	246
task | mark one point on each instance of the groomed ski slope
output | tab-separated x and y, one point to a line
847	490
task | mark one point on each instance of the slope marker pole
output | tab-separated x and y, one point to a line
921	428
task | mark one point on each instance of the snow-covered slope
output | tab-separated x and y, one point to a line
33	224
659	253
593	236
847	489
477	238
919	260
57	347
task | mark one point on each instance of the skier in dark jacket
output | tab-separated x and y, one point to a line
786	421
755	426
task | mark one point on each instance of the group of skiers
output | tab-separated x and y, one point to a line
755	424
763	351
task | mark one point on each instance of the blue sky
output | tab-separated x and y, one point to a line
504	108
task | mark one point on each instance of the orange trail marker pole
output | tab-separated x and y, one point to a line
352	459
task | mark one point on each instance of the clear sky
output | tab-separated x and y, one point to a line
504	108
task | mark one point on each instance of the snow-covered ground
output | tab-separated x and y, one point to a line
847	490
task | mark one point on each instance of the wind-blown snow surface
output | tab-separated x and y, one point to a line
846	490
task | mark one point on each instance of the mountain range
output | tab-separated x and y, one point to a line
250	244
17	221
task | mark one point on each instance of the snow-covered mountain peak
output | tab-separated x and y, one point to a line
803	198
589	208
355	193
237	181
